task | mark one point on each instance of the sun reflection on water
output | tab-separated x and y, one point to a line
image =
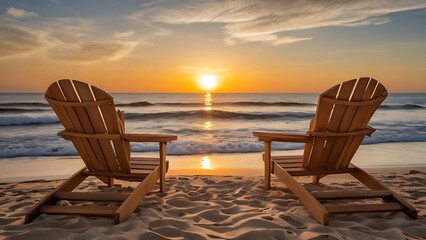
206	163
208	125
208	102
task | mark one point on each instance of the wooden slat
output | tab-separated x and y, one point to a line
362	208
352	143
77	104
368	113
307	153
380	91
354	194
91	196
325	149
99	136
115	174
359	121
81	119
329	135
304	172
142	167
122	129
109	114
281	137
148	137
150	164
288	158
55	92
289	165
374	184
144	159
331	116
349	151
145	163
358	93
353	104
79	210
324	110
141	171
98	124
66	186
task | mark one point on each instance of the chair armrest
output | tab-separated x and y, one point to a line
368	131
282	137
134	137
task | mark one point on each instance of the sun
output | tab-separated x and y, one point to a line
208	81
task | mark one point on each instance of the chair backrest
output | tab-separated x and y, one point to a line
346	107
88	114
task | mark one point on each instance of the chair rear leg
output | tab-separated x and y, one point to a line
316	178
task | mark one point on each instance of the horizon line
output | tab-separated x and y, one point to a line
209	92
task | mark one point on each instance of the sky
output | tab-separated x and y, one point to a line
164	46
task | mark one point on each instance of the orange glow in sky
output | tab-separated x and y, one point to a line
167	46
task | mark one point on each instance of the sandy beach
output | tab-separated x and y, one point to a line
219	207
198	101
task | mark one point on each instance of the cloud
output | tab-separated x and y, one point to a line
92	51
287	40
134	16
261	20
68	30
20	13
73	39
370	21
124	34
15	41
63	39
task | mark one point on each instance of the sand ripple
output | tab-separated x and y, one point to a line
203	207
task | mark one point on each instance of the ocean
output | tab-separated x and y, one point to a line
214	123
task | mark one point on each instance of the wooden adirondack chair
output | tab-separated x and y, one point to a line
335	133
97	131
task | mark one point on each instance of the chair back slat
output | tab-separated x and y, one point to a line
66	115
319	123
122	149
98	125
355	102
82	111
82	120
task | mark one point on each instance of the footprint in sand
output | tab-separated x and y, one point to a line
293	222
20	205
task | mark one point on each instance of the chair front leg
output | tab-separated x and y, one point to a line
163	166
268	165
